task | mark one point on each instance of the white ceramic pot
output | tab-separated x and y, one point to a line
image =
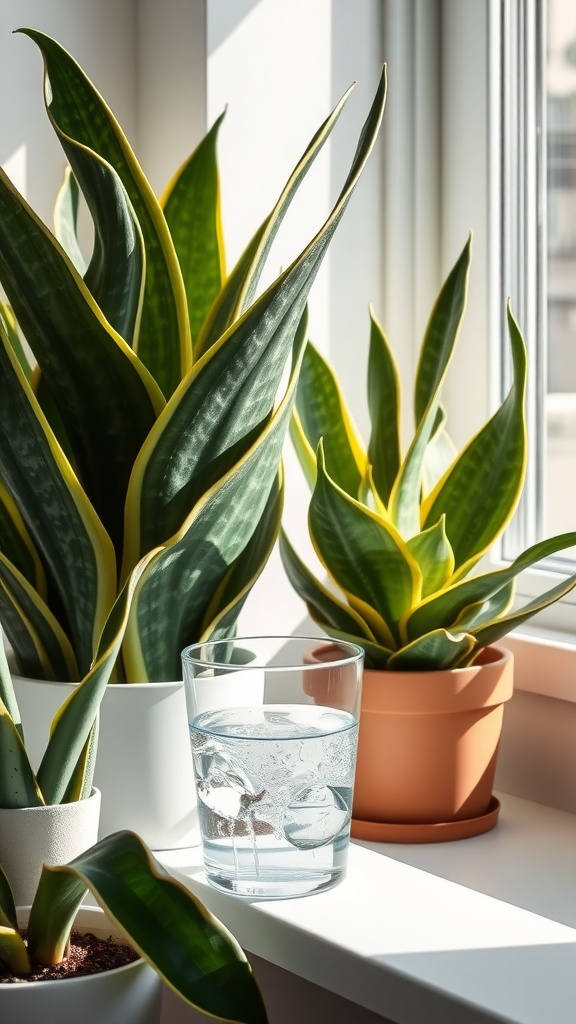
144	764
32	836
126	995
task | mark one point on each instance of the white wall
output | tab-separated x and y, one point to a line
147	60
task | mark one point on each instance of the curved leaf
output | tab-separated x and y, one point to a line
384	450
17	544
191	205
11	327
190	567
18	786
66	220
12	946
79	111
115	274
445	608
324	607
480	491
61	520
491	632
42	649
305	453
437	349
364	554
8	917
323	413
189	948
228	600
441	333
106	397
240	288
230	391
440	454
436	650
435	557
486	611
72	725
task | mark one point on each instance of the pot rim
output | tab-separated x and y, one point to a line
113	972
483	685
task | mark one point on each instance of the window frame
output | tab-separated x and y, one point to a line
474	175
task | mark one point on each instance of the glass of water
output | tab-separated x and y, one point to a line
273	727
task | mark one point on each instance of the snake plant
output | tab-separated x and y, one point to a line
150	422
399	534
189	948
186	945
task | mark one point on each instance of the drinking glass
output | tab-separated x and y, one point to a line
273	726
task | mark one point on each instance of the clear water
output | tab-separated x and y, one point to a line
274	790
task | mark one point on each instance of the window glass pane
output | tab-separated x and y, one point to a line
560	498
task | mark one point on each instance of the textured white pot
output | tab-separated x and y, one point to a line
126	995
32	836
144	764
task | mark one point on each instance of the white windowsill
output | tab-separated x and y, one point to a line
469	932
544	663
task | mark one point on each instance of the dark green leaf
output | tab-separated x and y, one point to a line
17	545
106	397
66	220
60	518
491	632
486	611
73	723
434	556
115	274
229	394
191	206
436	650
364	554
80	113
188	947
441	333
42	649
445	608
323	413
324	607
11	327
186	572
481	490
240	288
18	786
384	454
228	600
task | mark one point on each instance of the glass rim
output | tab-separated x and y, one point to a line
354	656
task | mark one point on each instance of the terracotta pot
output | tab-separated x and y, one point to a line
144	765
126	995
32	836
427	751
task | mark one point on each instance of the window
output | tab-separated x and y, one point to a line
537	238
560	402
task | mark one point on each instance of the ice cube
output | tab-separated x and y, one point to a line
224	785
314	816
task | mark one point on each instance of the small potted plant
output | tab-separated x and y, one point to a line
151	419
52	814
401	537
168	929
171	935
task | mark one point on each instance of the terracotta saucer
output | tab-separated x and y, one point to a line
440	832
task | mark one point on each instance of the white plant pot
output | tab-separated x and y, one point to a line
144	764
126	995
32	836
